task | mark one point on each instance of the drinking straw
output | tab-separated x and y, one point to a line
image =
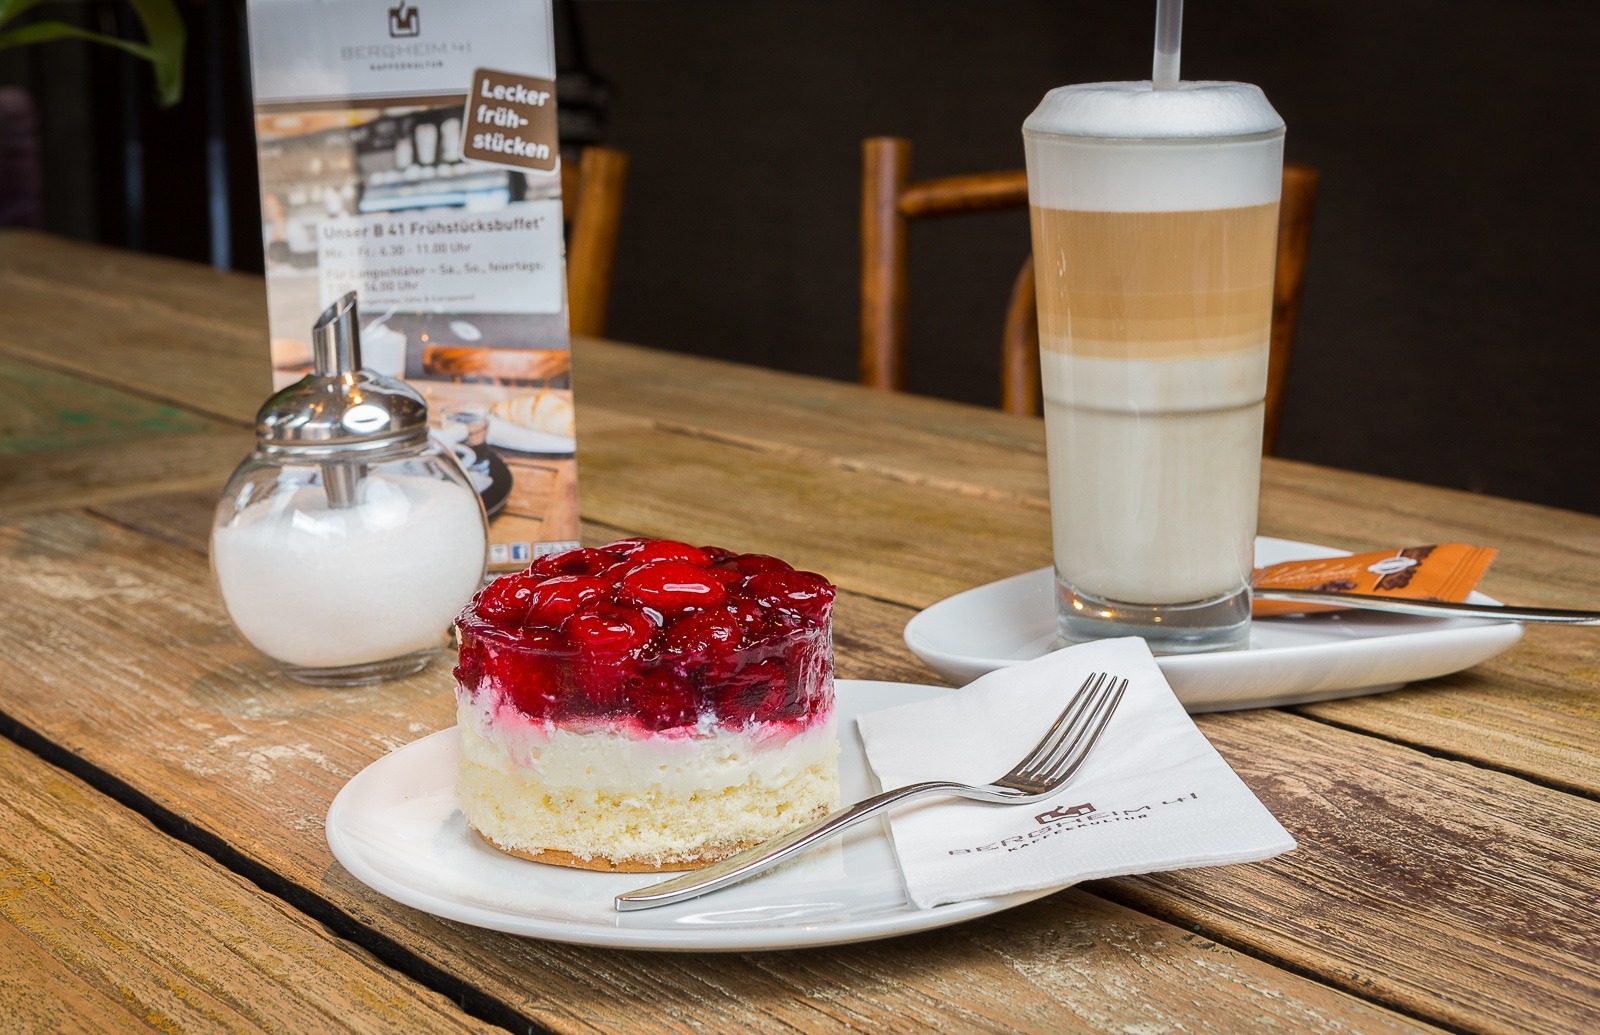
1169	39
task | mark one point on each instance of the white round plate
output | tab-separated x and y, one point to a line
397	829
1292	660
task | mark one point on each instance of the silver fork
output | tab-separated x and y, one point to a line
1044	770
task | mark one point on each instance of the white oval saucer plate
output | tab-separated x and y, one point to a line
1291	660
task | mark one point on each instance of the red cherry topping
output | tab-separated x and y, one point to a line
730	579
662	700
469	663
556	599
756	563
573	562
803	592
749	615
618	568
670	550
601	677
609	630
703	635
627	547
655	629
530	678
504	602
671	587
755	693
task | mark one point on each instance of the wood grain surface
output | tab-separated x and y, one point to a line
49	413
1447	830
68	441
1427	882
147	681
86	887
206	366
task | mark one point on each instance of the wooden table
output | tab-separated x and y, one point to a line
162	860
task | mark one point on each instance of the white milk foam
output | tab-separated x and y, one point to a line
1117	130
1154	463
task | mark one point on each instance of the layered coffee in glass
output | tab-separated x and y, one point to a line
1155	217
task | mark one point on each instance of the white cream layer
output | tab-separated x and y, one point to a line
499	737
662	800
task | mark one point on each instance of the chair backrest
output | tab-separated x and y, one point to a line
890	199
592	192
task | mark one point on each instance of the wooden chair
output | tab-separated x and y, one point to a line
890	200
592	192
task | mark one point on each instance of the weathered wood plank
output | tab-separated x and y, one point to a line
1464	894
963	449
205	366
65	441
113	646
170	288
44	481
909	543
1535	710
107	924
181	518
48	412
1532	711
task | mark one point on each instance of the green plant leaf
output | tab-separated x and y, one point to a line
9	9
45	32
163	28
165	33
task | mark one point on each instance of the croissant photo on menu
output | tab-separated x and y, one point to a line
548	410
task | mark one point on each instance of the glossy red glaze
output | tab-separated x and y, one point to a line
653	635
573	562
670	550
755	563
803	592
556	599
671	587
504	602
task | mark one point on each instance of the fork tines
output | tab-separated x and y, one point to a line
1068	741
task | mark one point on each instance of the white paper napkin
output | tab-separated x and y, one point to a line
1154	794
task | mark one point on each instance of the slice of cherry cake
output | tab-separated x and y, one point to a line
649	705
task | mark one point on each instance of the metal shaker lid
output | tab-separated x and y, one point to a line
339	406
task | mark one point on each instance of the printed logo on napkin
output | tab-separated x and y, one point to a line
511	120
1067	818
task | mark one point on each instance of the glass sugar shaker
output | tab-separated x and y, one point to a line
348	540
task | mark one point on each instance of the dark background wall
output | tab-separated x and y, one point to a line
1448	327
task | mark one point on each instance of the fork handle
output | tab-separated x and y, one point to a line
746	864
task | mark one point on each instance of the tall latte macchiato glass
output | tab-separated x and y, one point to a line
1155	221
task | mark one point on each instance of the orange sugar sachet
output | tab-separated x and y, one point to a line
1449	571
